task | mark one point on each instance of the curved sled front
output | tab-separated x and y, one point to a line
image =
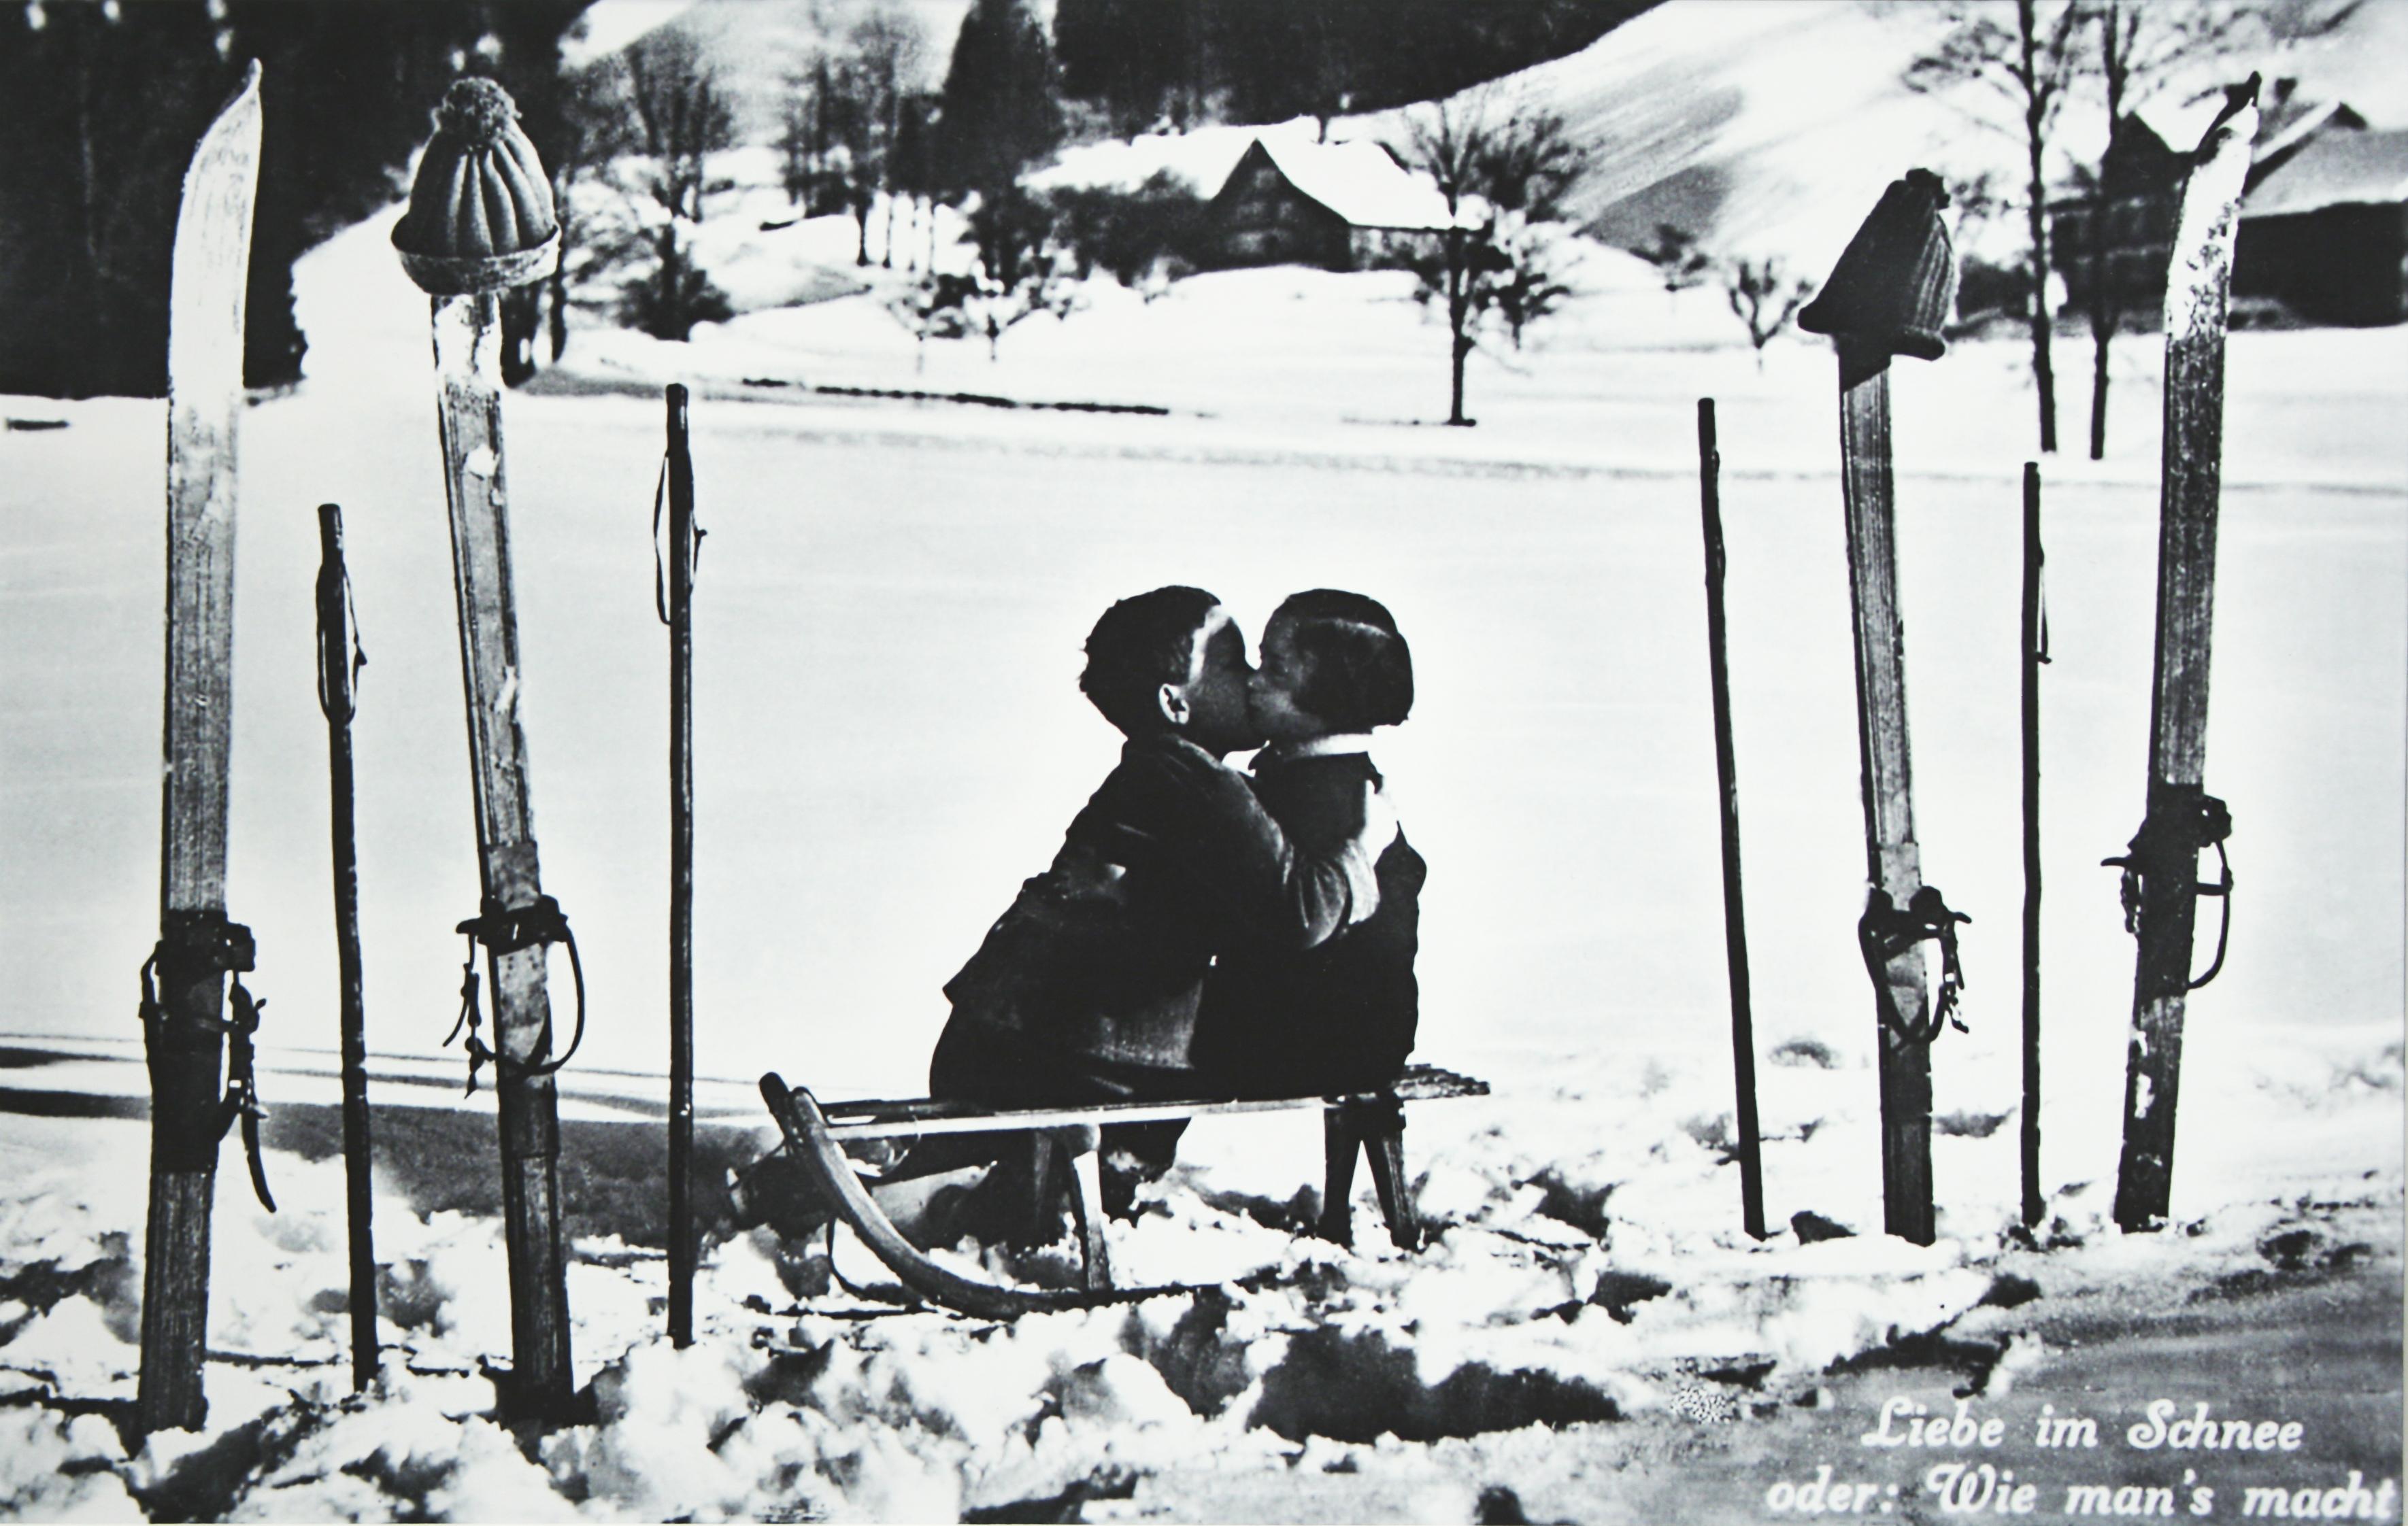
806	1129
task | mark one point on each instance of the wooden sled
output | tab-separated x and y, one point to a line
1365	1122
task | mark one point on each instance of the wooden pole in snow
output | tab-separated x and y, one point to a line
682	538
2034	654
338	657
1751	1154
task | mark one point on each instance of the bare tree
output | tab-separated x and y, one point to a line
1504	180
1022	269
1677	257
802	145
593	132
679	114
2029	67
1764	297
2146	52
1535	283
888	55
934	307
860	104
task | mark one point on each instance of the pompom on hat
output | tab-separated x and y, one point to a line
1895	285
480	216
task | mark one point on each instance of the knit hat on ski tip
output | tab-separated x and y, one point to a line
1896	283
481	216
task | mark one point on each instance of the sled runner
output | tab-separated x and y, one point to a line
1370	1121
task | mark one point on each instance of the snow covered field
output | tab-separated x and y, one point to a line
889	612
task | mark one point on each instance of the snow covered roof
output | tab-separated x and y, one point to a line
2290	121
2335	169
1361	182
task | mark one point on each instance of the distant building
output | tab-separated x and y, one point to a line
2318	156
1338	205
2326	232
2119	239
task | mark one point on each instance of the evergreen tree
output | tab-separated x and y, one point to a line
102	103
100	109
1125	56
1000	112
911	167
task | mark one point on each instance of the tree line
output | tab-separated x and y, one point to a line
1179	63
100	106
101	103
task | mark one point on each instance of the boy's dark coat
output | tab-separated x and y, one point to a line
1087	987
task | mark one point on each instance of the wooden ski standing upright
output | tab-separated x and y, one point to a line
185	1025
467	346
2161	886
1894	861
1892	289
464	257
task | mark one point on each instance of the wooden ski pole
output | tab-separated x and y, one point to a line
2035	652
1889	295
1751	1153
339	659
684	539
2161	885
184	1021
448	247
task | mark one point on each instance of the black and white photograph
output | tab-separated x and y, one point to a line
1152	760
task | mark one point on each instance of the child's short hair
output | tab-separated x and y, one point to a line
1358	671
1141	643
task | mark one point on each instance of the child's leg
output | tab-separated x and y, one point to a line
1339	1145
1135	1153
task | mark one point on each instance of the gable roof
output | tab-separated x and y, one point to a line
2287	118
1360	182
2335	169
2291	122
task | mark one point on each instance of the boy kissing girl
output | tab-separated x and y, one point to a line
1197	932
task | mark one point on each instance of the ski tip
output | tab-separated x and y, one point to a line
249	87
233	135
2237	99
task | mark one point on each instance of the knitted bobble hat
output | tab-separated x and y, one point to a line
1895	284
480	212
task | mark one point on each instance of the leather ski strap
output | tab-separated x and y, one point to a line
506	930
328	701
206	942
691	550
242	1091
2184	821
1887	930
